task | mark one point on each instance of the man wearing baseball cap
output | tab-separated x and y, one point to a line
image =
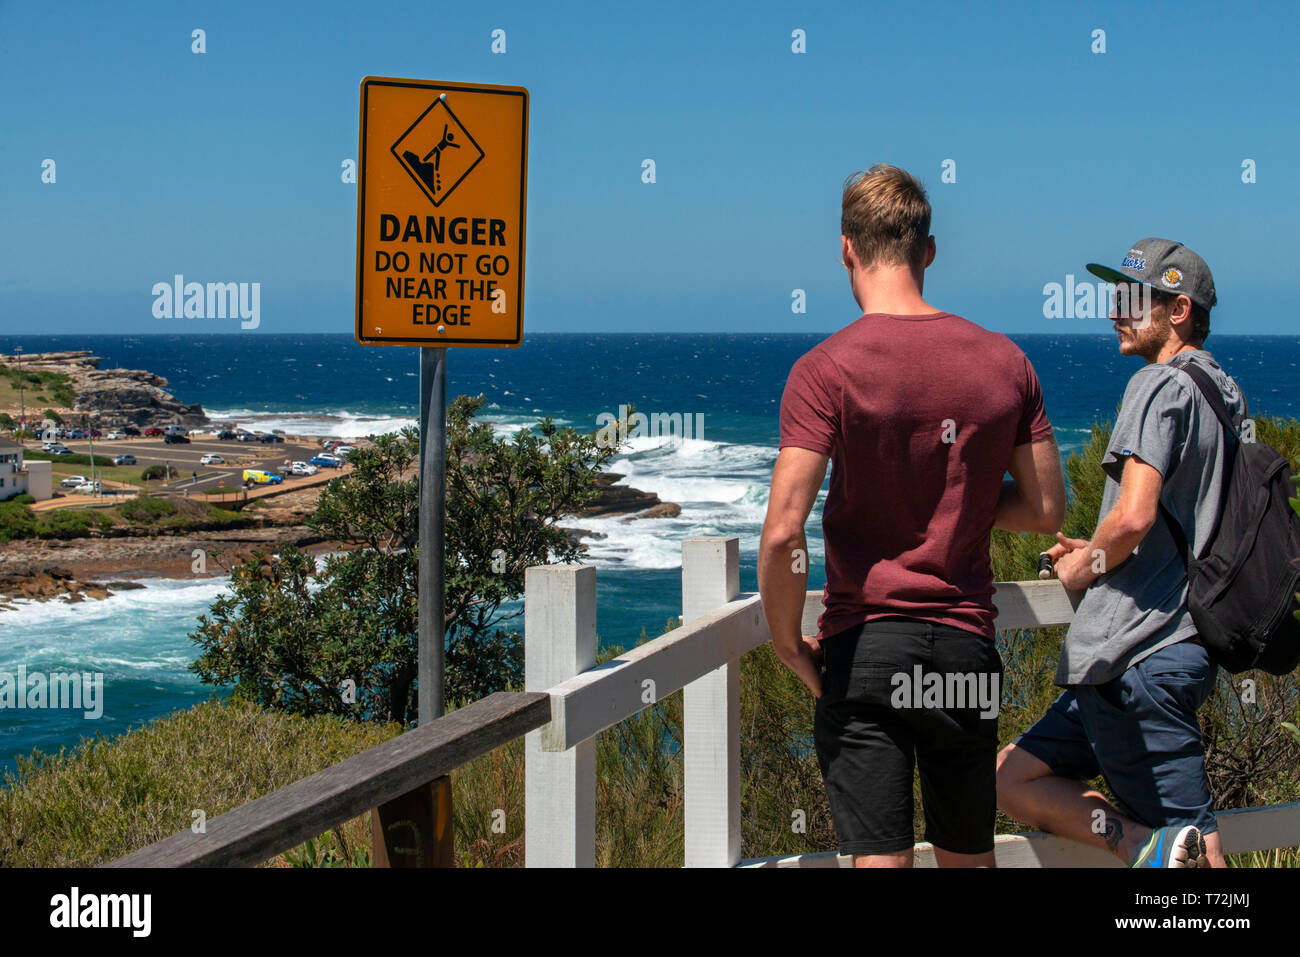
1132	668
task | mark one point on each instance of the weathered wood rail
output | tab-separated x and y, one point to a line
569	699
285	818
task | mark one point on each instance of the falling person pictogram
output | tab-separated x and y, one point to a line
431	173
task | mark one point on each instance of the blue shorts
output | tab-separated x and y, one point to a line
1139	731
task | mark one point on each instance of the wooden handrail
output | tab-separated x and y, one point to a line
259	830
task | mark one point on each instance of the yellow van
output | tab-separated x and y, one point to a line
258	477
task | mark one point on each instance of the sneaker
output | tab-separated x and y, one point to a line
1172	847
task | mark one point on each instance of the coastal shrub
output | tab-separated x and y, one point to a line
153	473
23	498
6	420
16	521
109	796
289	633
74	458
53	416
70	523
146	509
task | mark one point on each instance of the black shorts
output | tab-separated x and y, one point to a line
897	692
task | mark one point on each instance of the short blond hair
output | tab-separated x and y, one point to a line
886	216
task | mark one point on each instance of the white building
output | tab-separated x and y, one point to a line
34	478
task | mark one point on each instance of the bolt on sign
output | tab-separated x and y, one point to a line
440	213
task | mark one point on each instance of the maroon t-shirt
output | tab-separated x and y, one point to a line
919	415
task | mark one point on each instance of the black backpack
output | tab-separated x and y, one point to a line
1242	593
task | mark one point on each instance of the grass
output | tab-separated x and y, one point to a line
144	511
41	390
108	797
125	474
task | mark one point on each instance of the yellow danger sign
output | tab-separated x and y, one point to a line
441	198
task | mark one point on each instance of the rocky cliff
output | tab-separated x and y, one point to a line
117	396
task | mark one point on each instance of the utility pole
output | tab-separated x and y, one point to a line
85	422
22	402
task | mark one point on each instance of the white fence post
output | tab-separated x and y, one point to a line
711	713
559	786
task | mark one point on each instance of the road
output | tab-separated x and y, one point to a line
184	457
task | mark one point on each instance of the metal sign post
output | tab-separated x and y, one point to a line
433	482
441	204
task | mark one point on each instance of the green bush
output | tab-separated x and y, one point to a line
146	509
153	472
6	420
73	459
16	521
23	498
70	523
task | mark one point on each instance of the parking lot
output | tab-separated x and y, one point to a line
184	458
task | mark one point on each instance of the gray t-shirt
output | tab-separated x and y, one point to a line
1140	606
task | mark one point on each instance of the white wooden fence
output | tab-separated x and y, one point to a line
703	656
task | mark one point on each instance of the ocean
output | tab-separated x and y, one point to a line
329	385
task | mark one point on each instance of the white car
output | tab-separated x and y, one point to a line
212	459
344	450
72	481
303	468
87	488
116	435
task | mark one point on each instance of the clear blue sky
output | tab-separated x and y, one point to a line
226	166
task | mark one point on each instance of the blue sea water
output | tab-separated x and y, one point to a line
328	385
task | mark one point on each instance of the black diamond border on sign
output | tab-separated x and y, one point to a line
419	182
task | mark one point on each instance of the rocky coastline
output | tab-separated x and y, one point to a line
91	567
111	396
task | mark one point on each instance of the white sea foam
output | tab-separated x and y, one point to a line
343	424
339	424
722	490
121	633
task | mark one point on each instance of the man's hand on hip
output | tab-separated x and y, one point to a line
804	662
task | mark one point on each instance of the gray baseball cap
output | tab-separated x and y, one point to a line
1165	265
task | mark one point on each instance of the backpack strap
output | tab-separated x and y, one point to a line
1210	392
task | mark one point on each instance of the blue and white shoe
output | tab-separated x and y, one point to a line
1172	847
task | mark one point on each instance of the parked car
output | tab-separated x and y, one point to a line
153	431
130	430
172	438
87	488
330	444
116	435
343	451
327	461
212	459
246	437
270	437
261	477
225	435
72	481
303	468
96	434
124	460
58	449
